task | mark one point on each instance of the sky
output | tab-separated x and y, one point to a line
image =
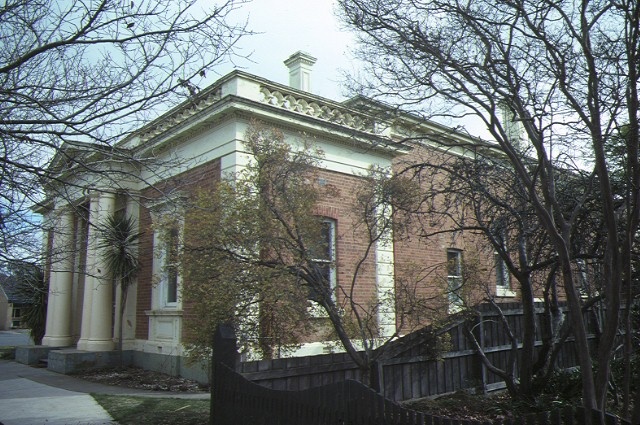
284	27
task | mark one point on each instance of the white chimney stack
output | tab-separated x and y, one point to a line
299	65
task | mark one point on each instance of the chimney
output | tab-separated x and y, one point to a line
512	127
299	65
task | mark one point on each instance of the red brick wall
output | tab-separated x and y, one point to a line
421	253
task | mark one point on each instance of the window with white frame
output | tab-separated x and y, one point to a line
454	279
171	265
324	258
503	277
502	273
167	268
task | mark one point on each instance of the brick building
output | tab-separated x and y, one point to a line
198	142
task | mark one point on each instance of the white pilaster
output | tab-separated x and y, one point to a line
385	283
58	328
97	317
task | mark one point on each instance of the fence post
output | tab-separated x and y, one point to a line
377	377
224	352
482	369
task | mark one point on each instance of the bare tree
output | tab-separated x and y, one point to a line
566	73
474	190
84	74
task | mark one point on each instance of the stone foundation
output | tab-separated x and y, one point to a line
31	355
70	360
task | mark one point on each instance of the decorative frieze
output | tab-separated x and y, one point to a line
196	105
330	113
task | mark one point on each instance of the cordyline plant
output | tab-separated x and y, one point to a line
118	244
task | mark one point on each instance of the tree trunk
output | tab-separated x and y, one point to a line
528	341
580	334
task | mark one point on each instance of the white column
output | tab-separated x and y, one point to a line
58	328
85	326
97	316
80	267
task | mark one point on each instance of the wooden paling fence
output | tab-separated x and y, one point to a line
235	400
348	402
429	362
415	367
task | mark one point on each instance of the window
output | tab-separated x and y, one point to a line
168	223
583	276
15	313
454	279
503	278
166	263
171	265
502	272
323	258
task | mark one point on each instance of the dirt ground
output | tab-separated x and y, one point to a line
462	406
459	406
143	379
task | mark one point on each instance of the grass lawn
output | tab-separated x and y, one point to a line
147	411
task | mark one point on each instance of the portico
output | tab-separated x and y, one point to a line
88	276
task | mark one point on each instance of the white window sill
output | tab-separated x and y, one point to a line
505	292
316	311
167	311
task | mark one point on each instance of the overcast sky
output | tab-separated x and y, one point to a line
282	28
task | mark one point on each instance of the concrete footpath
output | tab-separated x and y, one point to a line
37	396
34	396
